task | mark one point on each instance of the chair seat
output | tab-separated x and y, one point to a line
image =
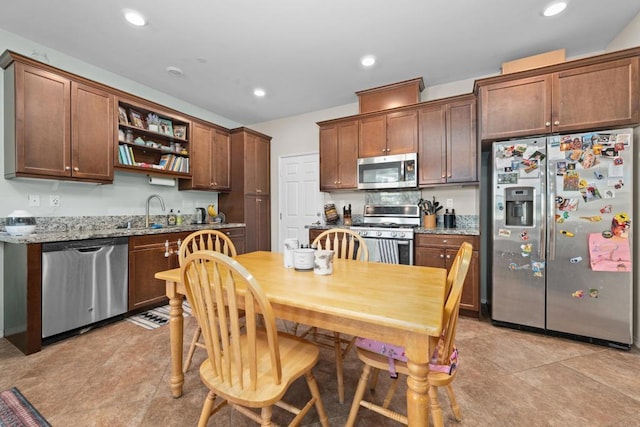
297	357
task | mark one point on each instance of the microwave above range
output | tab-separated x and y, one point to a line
397	171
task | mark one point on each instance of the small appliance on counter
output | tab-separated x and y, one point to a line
200	216
20	223
346	215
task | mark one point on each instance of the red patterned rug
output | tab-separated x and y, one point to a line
16	411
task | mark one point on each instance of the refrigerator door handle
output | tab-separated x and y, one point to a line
542	253
552	213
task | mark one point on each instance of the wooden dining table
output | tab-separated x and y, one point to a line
400	304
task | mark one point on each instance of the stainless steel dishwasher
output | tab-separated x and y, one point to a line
83	282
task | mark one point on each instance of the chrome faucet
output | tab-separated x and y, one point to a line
146	218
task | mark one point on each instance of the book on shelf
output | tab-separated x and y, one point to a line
131	158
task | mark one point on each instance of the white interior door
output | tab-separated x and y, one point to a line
300	197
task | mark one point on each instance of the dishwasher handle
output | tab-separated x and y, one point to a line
81	245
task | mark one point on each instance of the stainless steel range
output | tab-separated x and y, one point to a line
389	232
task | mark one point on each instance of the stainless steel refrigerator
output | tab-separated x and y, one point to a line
562	237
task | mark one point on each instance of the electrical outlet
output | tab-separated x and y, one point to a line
54	200
449	203
34	200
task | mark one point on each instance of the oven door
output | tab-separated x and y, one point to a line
377	250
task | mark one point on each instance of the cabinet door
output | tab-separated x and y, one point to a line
328	157
201	164
347	154
430	257
144	289
256	165
257	220
43	109
516	108
470	298
373	136
221	160
92	133
147	256
237	236
462	158
432	157
402	132
597	96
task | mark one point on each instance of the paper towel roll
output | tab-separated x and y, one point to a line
167	182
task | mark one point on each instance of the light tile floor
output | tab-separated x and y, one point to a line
118	375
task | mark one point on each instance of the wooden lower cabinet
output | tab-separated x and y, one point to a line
439	250
156	252
148	255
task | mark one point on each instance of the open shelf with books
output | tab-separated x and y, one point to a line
151	139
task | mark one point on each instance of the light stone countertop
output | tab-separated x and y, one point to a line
63	236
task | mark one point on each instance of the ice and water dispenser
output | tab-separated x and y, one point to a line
519	201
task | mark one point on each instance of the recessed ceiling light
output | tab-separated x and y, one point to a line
260	93
368	61
135	18
554	8
174	71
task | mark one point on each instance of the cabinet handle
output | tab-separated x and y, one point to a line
258	190
166	249
441	255
547	124
449	176
67	168
444	241
557	122
77	169
448	256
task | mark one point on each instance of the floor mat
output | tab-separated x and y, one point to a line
157	317
16	411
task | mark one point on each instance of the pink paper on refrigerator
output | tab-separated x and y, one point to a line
612	254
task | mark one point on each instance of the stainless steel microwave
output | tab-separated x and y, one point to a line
397	171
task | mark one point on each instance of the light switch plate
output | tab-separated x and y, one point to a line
449	203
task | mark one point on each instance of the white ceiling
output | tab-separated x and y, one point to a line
305	53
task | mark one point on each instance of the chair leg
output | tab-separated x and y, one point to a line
206	409
374	380
453	402
436	411
315	392
265	415
192	349
357	398
390	393
339	370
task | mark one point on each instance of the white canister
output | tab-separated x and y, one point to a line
290	245
323	262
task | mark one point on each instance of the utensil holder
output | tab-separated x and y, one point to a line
429	221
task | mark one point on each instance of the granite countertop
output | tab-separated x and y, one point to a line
442	230
438	230
63	236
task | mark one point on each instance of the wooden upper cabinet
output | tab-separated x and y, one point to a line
256	177
598	95
92	120
462	142
402	132
516	108
221	160
373	136
389	134
210	159
42	123
55	127
338	155
448	144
